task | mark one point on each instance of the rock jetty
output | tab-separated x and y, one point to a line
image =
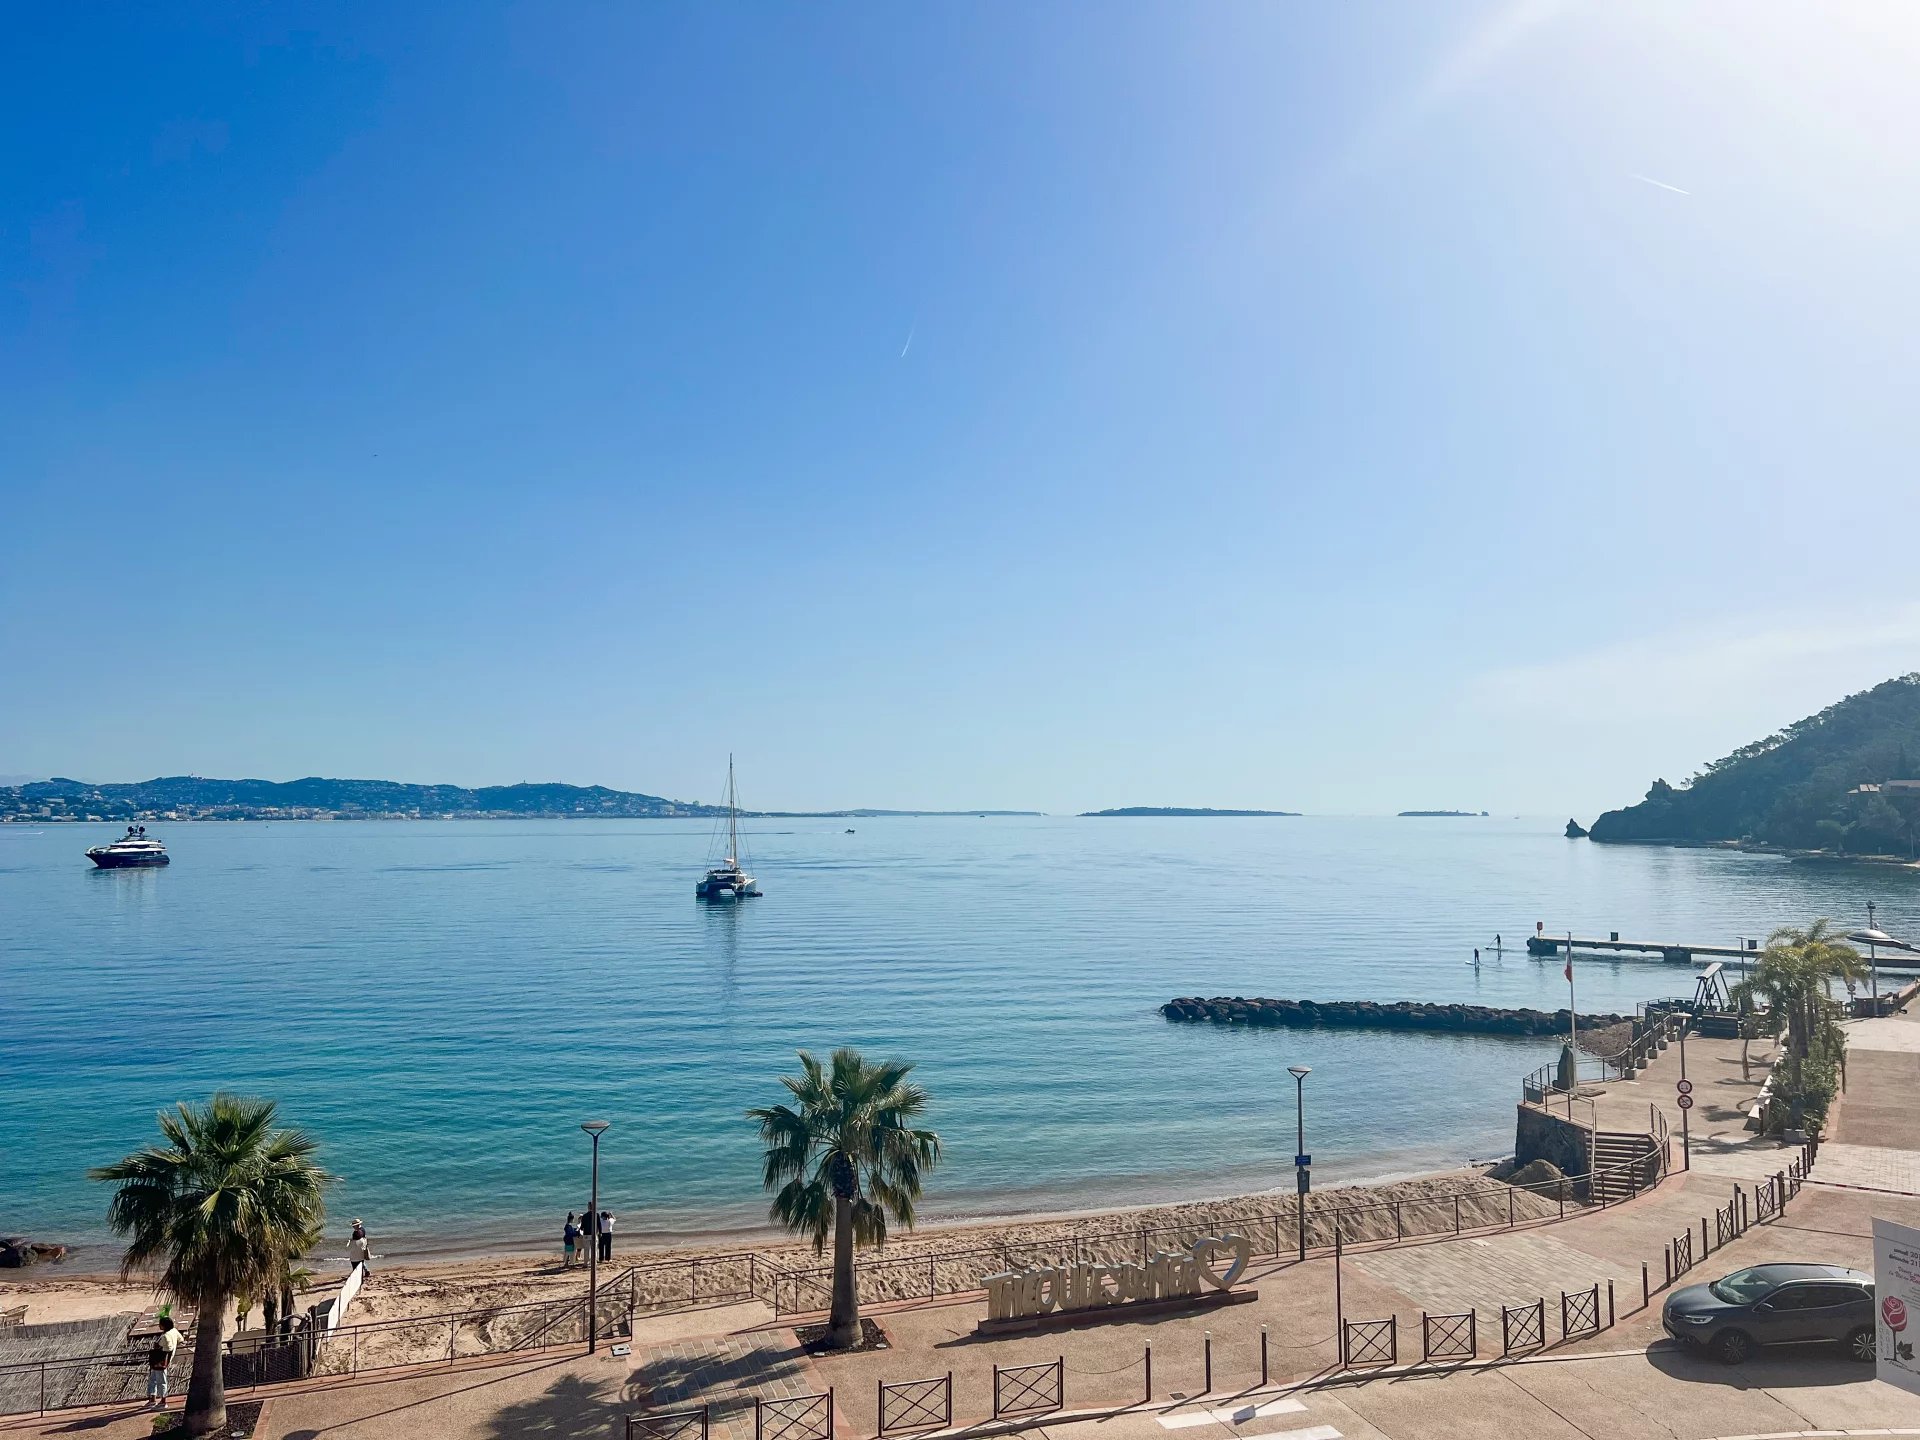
1373	1015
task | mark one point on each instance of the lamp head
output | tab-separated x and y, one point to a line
1299	1072
595	1127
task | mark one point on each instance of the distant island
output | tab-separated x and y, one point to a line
191	797
1176	810
1442	814
1844	781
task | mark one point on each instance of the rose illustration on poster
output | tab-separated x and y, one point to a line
1896	1281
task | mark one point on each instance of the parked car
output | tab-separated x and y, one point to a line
1775	1305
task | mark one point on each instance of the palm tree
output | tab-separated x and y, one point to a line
289	1276
843	1158
1793	979
217	1205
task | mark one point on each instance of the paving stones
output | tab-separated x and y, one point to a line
1487	1272
729	1373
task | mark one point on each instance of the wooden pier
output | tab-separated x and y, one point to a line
1671	952
1674	953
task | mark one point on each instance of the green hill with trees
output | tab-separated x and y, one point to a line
1801	788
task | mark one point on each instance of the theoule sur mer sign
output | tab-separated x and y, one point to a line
1015	1295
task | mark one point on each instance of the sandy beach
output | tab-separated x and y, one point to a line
959	1253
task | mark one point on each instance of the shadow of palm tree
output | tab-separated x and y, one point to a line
572	1408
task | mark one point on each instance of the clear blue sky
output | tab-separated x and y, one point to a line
1320	406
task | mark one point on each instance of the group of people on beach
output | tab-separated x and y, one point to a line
582	1229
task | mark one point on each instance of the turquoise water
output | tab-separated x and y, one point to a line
443	1002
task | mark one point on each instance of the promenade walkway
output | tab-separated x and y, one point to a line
1627	1381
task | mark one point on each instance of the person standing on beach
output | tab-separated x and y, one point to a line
569	1237
159	1360
359	1249
606	1235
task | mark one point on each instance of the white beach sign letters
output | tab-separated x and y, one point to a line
1043	1289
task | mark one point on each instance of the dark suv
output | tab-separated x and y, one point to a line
1775	1305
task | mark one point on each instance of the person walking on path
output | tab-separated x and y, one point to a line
159	1360
359	1249
606	1235
569	1238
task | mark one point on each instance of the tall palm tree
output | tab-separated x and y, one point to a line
1792	979
218	1205
844	1157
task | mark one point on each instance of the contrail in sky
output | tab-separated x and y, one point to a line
1649	180
909	345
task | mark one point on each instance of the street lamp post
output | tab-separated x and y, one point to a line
595	1128
1301	1160
1873	960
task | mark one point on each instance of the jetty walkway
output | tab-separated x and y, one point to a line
1623	1379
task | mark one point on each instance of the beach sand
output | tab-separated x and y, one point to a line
960	1254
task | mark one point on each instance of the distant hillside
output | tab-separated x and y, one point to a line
1800	788
1175	810
189	797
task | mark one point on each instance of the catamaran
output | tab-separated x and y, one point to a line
729	879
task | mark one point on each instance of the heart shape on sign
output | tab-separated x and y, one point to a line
1237	1246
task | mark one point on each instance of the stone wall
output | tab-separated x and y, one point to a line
1538	1135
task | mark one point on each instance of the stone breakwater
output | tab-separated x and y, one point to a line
1373	1015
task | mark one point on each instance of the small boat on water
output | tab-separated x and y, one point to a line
729	879
132	849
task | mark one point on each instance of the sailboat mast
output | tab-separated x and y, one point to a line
733	818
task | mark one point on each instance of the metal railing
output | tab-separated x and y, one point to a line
915	1404
1370	1342
1523	1327
799	1417
1449	1337
1029	1389
1579	1313
1272	1234
692	1424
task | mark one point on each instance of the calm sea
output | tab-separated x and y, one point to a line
442	1003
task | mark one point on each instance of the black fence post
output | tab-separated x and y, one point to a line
1149	1359
1206	1351
1609	1304
1263	1355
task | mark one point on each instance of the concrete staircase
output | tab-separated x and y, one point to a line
1624	1163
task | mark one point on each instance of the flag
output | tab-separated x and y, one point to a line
1569	967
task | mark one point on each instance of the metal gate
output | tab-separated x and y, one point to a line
1523	1327
1371	1342
802	1417
1029	1389
1449	1337
916	1404
1579	1313
669	1425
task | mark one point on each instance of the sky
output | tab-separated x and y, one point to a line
1334	407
